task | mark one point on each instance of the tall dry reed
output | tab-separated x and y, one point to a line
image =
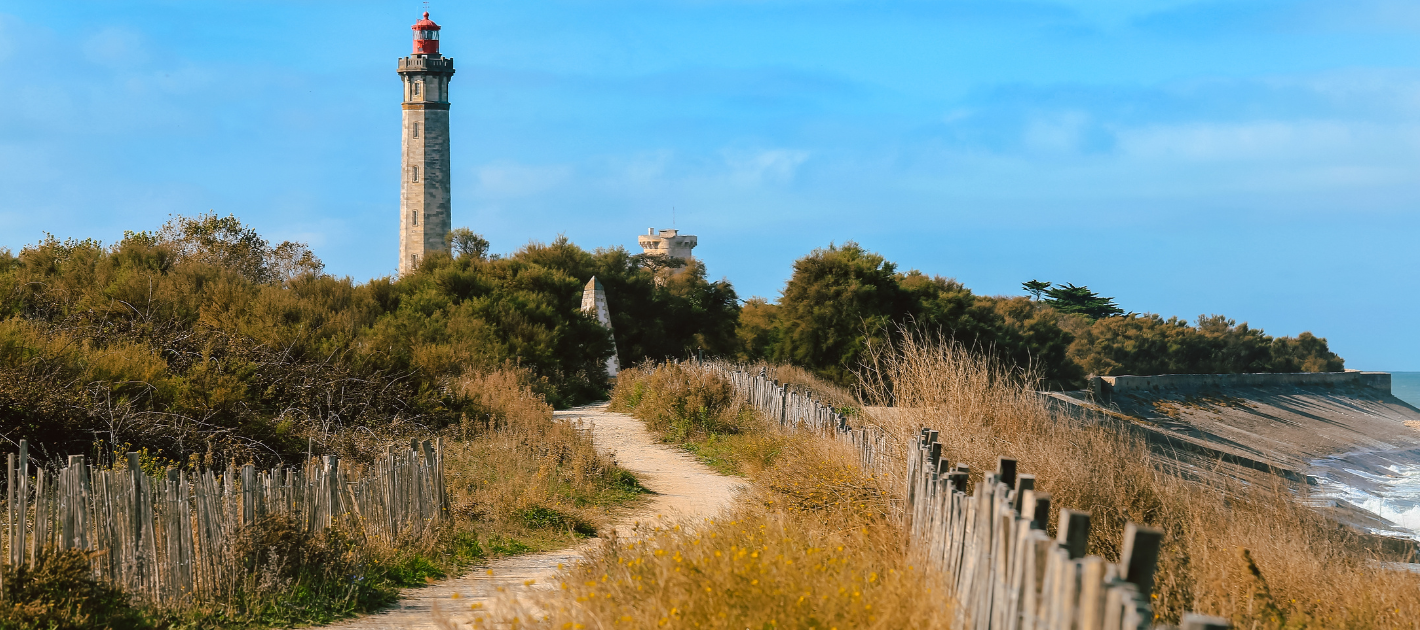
1299	570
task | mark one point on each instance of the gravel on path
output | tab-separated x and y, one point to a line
683	488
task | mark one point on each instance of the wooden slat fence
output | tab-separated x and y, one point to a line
796	409
169	537
990	546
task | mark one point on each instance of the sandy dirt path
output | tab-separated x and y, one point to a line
683	487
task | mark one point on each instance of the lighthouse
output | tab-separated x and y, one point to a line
424	213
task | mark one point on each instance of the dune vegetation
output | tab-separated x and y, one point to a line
701	414
518	480
1243	546
203	338
842	299
1238	544
201	343
815	543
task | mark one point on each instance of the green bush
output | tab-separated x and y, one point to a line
843	301
201	338
1149	344
60	593
681	403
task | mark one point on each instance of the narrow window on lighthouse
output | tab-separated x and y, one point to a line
416	130
414	217
414	173
418	85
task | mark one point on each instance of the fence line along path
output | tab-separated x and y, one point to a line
990	546
168	537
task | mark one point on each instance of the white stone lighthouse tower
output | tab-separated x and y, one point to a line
424	214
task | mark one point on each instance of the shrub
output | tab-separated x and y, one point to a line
681	403
60	593
204	338
841	301
1149	344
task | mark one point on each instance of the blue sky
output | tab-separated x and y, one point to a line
1259	159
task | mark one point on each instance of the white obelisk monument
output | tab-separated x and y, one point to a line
594	303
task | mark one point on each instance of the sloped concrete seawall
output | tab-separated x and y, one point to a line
1343	433
1279	420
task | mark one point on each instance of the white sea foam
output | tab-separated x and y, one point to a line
1387	488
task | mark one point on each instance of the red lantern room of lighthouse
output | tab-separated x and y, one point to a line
426	36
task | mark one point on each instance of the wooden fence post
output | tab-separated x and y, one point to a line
332	463
1040	515
135	532
24	498
11	536
1024	484
1092	578
1140	556
1006	471
248	494
1073	532
41	525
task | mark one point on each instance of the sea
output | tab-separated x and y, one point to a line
1406	386
1386	484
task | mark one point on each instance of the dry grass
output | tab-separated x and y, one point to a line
1300	570
517	473
519	480
700	412
821	389
815	547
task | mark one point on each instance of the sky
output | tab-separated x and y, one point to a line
1257	159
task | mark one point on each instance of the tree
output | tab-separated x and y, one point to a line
1149	344
757	329
838	299
655	313
466	242
227	243
842	300
291	260
1070	299
660	265
1035	288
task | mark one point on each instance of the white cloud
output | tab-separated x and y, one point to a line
772	165
1208	141
646	168
116	47
1272	141
9	33
509	179
1060	132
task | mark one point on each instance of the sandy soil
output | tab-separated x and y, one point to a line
684	489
